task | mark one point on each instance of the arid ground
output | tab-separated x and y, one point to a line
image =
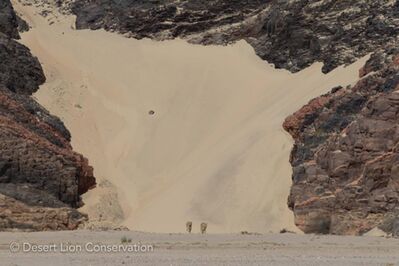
196	249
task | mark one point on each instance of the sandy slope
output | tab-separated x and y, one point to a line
184	249
214	150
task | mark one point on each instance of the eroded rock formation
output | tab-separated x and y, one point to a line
8	20
345	159
41	177
290	34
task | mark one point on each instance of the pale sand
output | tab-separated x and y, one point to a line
218	249
214	150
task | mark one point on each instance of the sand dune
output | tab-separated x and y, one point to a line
214	150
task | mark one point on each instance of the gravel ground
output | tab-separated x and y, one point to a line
80	248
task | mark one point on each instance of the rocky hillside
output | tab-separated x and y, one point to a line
41	178
292	34
345	158
346	178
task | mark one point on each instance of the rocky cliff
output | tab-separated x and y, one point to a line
345	158
41	178
291	34
345	173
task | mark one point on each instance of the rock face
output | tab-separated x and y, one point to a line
164	19
19	71
8	20
300	33
291	34
41	178
346	156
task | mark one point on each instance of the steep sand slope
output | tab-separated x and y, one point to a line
214	150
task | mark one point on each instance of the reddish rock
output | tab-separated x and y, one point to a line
396	60
38	168
41	177
346	154
15	214
293	123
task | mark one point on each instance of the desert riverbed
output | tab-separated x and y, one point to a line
175	132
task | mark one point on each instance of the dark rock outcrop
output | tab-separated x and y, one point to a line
41	177
330	31
8	20
19	71
23	26
346	156
167	19
290	34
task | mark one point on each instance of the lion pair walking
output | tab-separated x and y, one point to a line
203	227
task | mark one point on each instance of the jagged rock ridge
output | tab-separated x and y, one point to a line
290	34
41	178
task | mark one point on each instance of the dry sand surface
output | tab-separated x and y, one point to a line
213	150
184	249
